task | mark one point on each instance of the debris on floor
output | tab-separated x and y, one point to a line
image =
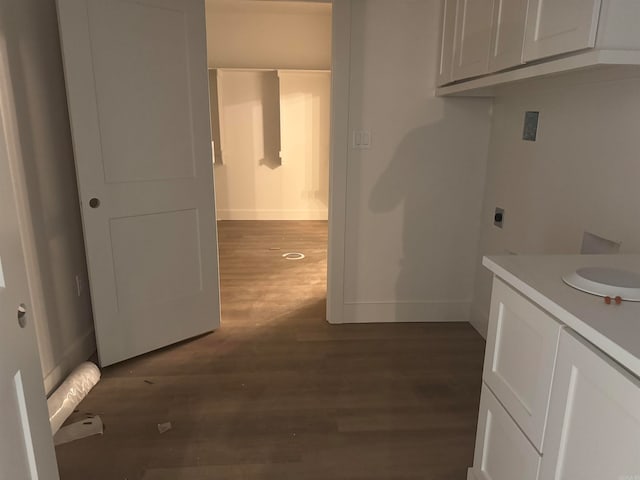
75	431
149	382
293	256
164	427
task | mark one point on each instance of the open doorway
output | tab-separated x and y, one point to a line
270	88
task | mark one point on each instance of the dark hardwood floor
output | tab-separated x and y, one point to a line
277	393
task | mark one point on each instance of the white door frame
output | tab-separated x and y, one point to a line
338	163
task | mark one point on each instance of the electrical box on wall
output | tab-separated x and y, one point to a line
498	217
530	130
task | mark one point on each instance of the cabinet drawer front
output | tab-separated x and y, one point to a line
502	451
521	350
594	417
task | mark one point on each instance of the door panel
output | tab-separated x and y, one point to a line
150	54
140	279
473	38
137	85
560	26
509	18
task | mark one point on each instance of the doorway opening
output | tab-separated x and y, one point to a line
270	88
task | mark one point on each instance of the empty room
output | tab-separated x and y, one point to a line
348	239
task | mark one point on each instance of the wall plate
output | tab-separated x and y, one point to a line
530	130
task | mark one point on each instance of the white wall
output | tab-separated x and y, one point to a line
35	111
260	116
581	174
268	34
413	199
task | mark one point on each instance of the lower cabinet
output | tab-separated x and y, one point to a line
593	430
502	451
522	342
586	406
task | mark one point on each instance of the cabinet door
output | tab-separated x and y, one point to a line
560	26
502	451
509	18
473	38
594	417
521	350
447	41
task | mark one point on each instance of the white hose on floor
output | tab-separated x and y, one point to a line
72	391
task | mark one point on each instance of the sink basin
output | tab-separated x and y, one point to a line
606	282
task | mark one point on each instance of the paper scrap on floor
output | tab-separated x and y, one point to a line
82	429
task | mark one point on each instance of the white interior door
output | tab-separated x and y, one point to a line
26	445
137	87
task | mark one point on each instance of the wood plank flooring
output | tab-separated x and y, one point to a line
277	393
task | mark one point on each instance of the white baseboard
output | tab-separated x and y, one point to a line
406	312
78	352
222	214
480	321
471	475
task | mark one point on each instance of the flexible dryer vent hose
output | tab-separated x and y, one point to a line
72	391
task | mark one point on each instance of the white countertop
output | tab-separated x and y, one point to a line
615	329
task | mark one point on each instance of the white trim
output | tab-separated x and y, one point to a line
240	214
80	351
340	80
471	475
405	312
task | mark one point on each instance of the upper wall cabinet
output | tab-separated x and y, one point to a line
560	26
524	39
473	38
509	18
447	41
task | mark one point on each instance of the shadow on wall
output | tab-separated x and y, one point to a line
432	178
271	121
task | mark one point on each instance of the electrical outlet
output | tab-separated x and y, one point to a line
79	285
498	217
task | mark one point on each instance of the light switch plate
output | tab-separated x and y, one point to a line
362	139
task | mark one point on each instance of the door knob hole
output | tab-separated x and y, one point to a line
22	315
94	203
